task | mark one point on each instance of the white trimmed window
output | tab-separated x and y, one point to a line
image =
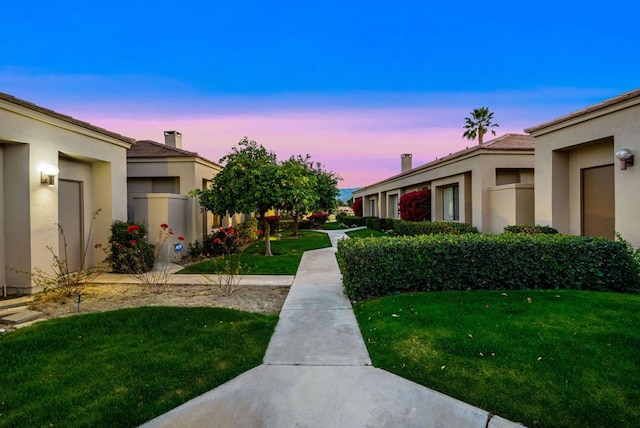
451	203
372	207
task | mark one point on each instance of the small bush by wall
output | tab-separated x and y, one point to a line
380	224
129	252
351	220
374	267
530	229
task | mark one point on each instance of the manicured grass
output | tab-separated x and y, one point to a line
561	359
122	368
287	252
366	233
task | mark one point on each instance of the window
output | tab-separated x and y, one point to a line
393	201
451	203
372	207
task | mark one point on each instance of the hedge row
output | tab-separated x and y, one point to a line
373	267
409	228
415	228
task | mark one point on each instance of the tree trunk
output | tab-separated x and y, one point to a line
267	236
295	225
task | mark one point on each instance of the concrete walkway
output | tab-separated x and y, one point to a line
317	372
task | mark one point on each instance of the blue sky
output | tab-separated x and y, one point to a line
354	84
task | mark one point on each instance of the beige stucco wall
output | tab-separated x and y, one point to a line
561	151
159	208
476	173
510	204
31	138
191	173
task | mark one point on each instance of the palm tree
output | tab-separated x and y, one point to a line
479	124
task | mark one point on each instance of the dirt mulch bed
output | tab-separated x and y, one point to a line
107	297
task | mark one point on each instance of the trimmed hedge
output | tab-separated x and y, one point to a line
415	228
373	267
530	229
380	224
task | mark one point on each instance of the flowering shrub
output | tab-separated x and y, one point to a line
129	251
318	219
415	206
224	241
357	207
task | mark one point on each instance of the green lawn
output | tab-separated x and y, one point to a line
287	252
122	368
365	233
543	358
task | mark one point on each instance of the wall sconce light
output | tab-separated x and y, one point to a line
625	157
48	174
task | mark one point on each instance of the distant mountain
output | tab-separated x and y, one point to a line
345	194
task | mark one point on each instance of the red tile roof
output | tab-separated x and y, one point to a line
604	104
64	117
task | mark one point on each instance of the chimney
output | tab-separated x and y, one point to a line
406	162
173	139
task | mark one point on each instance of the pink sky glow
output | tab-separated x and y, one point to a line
361	145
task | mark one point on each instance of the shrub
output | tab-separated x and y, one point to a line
373	267
414	228
351	220
530	229
380	224
341	216
129	252
249	230
318	219
224	241
357	207
415	206
194	249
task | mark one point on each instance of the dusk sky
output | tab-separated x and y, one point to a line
352	83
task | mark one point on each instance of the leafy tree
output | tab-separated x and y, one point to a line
415	206
479	124
326	188
300	183
250	181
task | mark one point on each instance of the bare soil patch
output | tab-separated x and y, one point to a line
107	297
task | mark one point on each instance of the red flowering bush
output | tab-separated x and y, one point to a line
415	206
357	207
318	219
224	241
129	251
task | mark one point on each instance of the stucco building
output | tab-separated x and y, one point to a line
581	186
159	179
489	185
55	169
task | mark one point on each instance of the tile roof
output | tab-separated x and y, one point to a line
510	142
604	104
64	117
153	149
